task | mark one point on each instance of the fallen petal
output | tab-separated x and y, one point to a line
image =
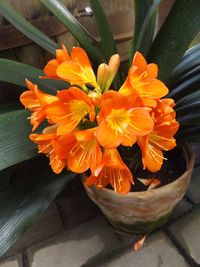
139	244
154	184
146	182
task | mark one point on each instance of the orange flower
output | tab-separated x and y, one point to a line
37	102
47	145
84	152
75	69
142	79
72	107
111	170
51	67
161	138
121	120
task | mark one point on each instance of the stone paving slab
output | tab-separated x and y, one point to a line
181	208
12	262
79	246
76	208
193	190
187	232
158	251
46	225
196	149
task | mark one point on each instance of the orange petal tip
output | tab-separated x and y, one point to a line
139	244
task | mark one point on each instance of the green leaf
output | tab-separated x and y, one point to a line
107	44
175	36
189	63
26	198
107	41
187	109
5	177
186	76
16	73
191	119
189	134
83	37
15	145
4	108
188	99
27	28
186	87
145	22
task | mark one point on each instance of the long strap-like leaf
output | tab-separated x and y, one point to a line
62	13
189	62
178	31
26	27
16	73
189	134
25	199
145	22
188	99
186	87
15	145
107	41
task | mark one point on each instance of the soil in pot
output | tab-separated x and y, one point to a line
142	211
172	168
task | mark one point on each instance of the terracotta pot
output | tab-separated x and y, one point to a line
143	212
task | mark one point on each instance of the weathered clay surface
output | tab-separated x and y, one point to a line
147	206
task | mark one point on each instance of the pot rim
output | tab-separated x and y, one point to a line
190	158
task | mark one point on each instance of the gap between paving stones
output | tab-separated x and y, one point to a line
120	249
182	251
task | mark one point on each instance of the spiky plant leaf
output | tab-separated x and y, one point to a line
16	73
83	37
27	197
175	36
108	46
15	145
189	63
145	23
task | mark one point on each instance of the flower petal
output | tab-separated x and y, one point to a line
57	164
139	244
113	170
84	154
141	122
152	71
62	55
108	137
99	183
50	68
79	55
153	159
140	62
154	89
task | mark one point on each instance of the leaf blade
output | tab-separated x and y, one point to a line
107	41
189	62
15	146
145	22
175	36
25	199
16	73
62	13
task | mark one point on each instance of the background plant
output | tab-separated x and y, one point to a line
32	192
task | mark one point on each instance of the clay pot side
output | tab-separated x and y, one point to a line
143	212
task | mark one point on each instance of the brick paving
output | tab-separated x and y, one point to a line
73	233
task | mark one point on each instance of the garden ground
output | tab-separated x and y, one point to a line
73	233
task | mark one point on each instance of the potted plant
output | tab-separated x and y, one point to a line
109	123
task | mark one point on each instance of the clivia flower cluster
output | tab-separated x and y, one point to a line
89	121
